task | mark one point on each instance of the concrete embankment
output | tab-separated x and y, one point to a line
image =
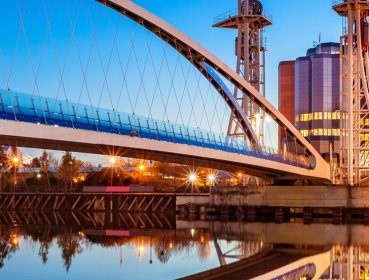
281	201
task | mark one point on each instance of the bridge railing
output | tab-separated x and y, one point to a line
47	111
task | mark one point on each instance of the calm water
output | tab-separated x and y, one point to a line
128	246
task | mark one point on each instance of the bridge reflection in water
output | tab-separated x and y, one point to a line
168	248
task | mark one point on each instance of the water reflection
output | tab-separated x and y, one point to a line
140	246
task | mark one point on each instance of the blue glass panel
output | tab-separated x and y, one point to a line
49	111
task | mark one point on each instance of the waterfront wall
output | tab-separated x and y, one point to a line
291	196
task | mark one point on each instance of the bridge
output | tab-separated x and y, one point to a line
32	119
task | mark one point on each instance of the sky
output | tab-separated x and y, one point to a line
296	25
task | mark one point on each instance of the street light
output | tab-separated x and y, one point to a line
192	177
38	178
112	162
212	178
70	174
15	161
1	175
141	167
241	178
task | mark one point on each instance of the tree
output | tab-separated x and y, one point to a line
46	160
68	167
35	162
70	247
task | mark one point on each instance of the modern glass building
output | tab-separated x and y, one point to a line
316	97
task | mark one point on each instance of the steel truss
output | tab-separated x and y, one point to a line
250	52
354	95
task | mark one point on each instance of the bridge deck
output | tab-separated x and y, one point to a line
47	111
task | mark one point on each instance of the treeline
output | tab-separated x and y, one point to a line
69	174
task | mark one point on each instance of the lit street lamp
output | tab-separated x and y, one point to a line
211	178
38	178
112	162
1	175
141	169
241	178
192	178
15	161
70	174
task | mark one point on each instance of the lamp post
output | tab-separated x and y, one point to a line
112	162
241	178
1	175
70	174
38	178
141	169
15	161
192	177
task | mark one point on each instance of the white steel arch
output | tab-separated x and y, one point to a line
204	61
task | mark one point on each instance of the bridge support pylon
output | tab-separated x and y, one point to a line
250	22
354	94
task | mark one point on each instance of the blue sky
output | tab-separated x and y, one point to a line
296	25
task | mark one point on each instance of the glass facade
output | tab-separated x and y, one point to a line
317	101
